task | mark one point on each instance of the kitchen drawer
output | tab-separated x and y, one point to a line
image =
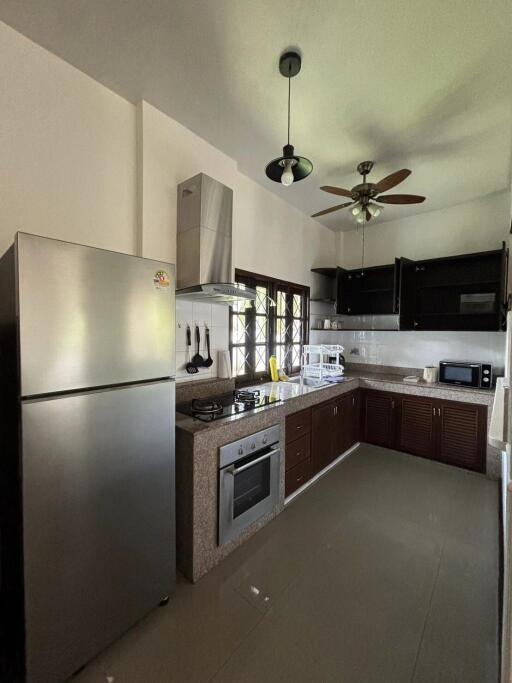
297	451
297	476
298	424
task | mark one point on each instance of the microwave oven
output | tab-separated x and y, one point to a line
466	374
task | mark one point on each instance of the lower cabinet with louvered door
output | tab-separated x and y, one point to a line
378	418
462	431
452	432
416	425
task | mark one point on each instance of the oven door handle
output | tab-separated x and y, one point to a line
236	470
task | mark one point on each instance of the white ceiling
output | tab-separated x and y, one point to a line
407	83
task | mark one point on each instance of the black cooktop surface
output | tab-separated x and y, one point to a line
217	407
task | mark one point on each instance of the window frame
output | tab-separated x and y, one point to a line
273	285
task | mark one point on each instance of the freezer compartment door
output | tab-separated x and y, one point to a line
90	317
98	518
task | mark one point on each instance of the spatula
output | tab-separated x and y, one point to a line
198	360
190	367
209	361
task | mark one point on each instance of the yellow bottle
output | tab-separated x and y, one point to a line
274	373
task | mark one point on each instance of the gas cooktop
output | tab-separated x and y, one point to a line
217	407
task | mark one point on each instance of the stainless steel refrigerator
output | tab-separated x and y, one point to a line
87	461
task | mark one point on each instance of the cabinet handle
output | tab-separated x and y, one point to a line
299	427
439	412
393	404
353	400
434	412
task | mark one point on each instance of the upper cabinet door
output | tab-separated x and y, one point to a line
90	317
505	285
406	294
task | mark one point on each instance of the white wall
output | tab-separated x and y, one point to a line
269	236
67	151
479	225
80	163
416	349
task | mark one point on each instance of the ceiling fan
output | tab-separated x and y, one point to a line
364	195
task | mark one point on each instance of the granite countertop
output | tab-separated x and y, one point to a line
291	393
398	378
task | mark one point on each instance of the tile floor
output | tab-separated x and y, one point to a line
384	571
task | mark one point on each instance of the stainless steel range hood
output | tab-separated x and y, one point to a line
204	259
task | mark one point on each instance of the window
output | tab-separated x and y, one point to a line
276	325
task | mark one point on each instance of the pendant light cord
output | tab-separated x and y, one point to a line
289	96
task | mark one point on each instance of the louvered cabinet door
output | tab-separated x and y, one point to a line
377	427
416	426
461	434
323	435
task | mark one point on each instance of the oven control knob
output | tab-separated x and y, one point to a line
264	440
486	372
240	451
253	446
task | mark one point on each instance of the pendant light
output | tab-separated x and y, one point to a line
289	168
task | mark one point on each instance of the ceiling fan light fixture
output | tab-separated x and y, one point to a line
360	218
375	210
356	210
289	168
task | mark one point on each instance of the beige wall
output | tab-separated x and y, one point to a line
478	225
67	151
269	235
82	164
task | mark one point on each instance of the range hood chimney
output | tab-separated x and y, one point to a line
205	268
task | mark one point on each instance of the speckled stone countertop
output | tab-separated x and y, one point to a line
198	443
291	393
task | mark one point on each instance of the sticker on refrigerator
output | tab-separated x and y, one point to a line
161	279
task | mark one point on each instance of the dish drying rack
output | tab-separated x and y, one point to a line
315	361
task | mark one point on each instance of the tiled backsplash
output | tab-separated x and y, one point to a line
216	316
415	349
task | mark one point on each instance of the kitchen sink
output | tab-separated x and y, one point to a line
310	382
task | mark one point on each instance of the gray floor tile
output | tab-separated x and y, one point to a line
384	571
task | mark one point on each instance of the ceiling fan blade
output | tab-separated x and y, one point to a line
368	216
337	190
400	199
332	208
392	180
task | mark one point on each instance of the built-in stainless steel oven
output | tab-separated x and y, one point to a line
249	471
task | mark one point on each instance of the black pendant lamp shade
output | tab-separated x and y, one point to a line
289	168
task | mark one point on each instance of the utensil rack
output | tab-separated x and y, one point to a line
316	364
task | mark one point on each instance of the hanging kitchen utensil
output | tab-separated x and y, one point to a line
209	360
190	367
198	360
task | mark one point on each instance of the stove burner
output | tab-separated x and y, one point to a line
245	396
206	407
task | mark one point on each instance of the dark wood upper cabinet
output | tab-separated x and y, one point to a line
461	292
466	292
406	294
